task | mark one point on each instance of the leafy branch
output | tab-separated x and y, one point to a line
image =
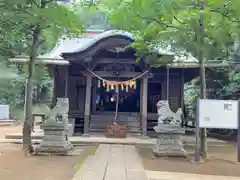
161	22
226	15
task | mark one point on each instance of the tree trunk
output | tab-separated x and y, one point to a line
203	131
28	121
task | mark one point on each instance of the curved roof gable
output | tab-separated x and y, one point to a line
90	42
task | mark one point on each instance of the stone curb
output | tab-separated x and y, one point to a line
91	142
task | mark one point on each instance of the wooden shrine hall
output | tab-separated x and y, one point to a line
100	69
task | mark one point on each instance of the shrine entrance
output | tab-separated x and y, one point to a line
120	90
128	100
117	98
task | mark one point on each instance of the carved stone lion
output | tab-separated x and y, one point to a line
166	116
60	111
169	141
55	129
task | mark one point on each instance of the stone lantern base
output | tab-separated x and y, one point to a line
55	139
169	141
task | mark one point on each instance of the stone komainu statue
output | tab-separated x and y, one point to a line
59	113
169	141
56	130
166	116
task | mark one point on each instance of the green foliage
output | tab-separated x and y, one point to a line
175	23
11	87
18	21
191	94
93	17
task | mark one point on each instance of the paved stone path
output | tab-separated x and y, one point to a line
112	162
157	175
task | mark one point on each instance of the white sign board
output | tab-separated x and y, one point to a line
4	111
218	114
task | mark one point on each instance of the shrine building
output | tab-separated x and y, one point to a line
100	69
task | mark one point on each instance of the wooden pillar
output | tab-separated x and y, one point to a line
167	83
94	96
141	96
144	105
66	82
87	105
182	89
61	81
54	97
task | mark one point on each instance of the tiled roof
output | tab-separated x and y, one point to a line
74	45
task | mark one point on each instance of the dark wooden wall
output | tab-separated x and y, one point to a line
76	92
175	95
77	87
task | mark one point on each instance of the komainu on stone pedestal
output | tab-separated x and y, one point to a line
169	141
55	139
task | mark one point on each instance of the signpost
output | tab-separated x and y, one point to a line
221	114
4	112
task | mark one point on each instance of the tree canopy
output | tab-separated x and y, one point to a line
174	26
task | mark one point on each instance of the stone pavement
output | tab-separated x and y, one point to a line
158	175
121	162
112	162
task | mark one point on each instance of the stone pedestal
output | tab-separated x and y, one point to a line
169	141
55	139
71	126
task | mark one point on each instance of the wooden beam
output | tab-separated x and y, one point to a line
131	74
117	60
112	74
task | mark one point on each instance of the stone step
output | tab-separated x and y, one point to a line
106	118
119	113
93	125
112	120
130	134
104	130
